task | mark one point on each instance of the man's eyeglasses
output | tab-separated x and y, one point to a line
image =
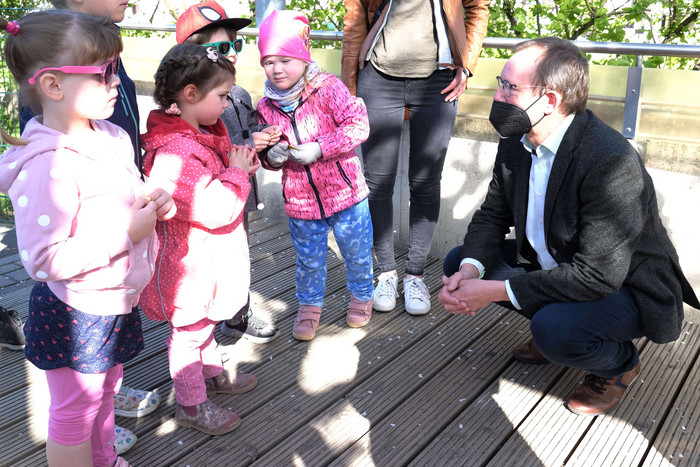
106	70
224	47
508	87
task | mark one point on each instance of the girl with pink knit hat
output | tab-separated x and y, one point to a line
322	182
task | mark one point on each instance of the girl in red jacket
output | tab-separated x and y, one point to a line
189	154
322	182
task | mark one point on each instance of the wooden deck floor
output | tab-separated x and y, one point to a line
434	390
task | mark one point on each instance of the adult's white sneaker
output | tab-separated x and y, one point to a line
385	292
416	295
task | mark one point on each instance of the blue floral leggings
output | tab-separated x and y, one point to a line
352	228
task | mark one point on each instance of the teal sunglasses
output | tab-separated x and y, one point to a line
224	47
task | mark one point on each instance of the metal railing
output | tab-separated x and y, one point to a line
630	120
623	48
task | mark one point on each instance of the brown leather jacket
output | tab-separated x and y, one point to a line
466	22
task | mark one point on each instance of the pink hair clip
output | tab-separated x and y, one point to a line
173	109
212	54
12	28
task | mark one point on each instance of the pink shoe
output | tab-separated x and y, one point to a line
226	383
210	419
306	323
359	313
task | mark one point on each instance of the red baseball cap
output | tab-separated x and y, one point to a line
205	15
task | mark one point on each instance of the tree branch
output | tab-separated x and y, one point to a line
510	15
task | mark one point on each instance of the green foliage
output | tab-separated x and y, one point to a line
22	5
662	22
137	33
655	21
324	15
9	118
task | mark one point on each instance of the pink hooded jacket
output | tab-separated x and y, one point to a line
71	195
336	120
202	269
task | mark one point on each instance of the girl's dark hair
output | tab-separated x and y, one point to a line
204	35
54	38
187	64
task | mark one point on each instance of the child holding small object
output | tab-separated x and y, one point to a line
128	402
322	182
207	24
189	154
85	225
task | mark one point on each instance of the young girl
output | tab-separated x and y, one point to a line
128	402
202	272
322	182
207	24
84	225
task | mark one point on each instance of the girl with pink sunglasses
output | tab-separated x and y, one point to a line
85	225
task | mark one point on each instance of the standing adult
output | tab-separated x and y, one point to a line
591	265
415	55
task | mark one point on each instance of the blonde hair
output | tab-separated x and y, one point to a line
41	43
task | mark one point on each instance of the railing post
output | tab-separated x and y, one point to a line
265	7
630	119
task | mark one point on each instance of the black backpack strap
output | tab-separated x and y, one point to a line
378	12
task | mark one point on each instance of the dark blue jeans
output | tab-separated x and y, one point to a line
595	336
431	120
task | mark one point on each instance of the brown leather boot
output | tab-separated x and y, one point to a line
598	395
528	353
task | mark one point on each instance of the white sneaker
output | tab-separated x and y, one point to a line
134	403
124	439
416	296
385	292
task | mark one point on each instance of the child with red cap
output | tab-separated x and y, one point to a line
322	182
207	24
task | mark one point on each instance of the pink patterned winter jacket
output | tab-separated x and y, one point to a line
335	119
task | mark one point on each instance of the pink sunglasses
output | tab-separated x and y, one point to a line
106	70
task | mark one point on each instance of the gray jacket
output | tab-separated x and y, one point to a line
241	122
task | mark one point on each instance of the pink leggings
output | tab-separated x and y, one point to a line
193	355
82	408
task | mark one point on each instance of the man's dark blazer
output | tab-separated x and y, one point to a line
601	224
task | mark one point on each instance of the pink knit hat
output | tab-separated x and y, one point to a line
285	33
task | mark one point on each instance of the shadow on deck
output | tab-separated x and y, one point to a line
434	390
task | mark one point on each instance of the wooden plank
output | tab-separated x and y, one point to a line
548	433
315	377
22	439
27	399
399	435
623	436
273	374
34	392
17	298
339	427
678	440
493	417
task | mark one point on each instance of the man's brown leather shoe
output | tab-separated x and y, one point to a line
528	353
598	395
